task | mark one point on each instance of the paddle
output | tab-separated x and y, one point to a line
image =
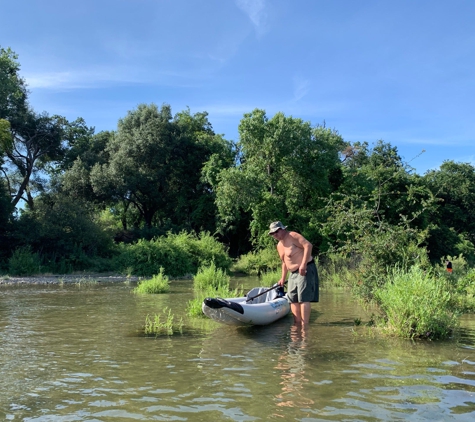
265	291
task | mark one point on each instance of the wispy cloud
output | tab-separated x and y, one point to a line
255	10
107	76
301	87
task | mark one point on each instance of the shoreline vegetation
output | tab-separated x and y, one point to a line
163	196
414	302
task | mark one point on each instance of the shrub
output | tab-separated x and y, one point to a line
179	254
416	304
258	262
157	284
24	262
463	288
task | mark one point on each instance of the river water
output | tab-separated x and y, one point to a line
76	353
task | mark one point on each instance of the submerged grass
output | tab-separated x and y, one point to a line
163	324
159	283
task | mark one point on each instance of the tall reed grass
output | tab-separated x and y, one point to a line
209	281
416	304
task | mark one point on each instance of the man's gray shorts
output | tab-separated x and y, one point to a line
303	288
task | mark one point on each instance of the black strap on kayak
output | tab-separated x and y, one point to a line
265	291
218	303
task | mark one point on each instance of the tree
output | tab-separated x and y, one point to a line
64	232
37	140
453	230
13	92
285	169
155	166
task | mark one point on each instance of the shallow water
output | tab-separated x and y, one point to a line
70	353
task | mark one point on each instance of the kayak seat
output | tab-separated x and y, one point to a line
270	295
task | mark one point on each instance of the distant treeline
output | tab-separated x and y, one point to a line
73	198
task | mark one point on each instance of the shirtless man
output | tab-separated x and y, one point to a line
296	255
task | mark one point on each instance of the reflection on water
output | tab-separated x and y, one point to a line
293	368
70	354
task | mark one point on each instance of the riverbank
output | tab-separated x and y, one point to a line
66	278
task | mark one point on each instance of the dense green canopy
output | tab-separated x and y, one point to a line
68	192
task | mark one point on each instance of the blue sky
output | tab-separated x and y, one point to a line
401	71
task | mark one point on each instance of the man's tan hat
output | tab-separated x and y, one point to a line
276	225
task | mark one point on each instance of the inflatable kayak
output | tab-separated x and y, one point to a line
261	306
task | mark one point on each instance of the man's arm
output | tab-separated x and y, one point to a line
307	251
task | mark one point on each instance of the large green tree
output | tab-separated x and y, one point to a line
453	222
285	169
155	164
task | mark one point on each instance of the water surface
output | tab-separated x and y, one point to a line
70	353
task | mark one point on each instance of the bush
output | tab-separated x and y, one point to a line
157	284
416	304
462	286
24	262
340	271
258	262
179	254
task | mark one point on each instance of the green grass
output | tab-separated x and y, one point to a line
210	277
209	281
416	304
159	283
163	324
270	278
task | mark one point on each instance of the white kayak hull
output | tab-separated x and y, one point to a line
239	311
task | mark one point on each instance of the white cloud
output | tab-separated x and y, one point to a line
254	9
106	76
301	87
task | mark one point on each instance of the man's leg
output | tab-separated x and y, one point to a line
305	309
295	308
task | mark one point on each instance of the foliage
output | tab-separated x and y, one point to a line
64	233
210	277
163	324
464	287
13	92
338	270
258	262
159	283
149	162
271	277
284	171
24	262
179	254
209	281
416	304
373	243
37	141
454	219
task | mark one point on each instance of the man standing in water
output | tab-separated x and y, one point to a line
296	255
